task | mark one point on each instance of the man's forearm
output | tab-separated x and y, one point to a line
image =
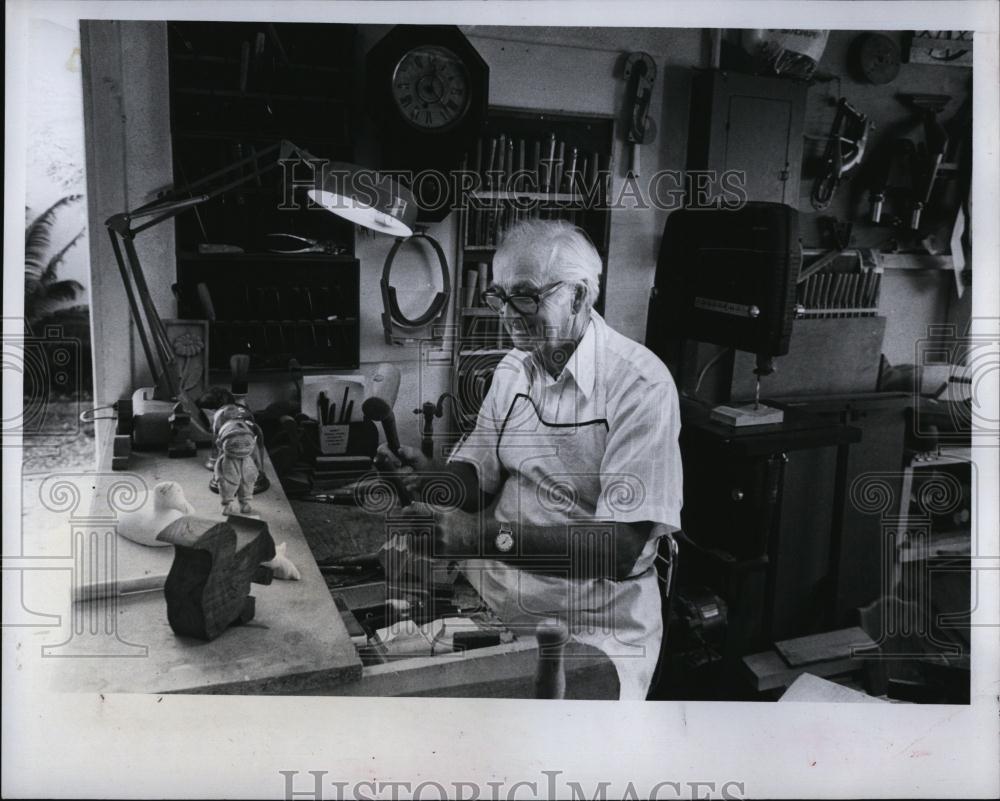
583	549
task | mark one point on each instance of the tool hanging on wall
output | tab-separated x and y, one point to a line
903	189
640	72
845	149
393	316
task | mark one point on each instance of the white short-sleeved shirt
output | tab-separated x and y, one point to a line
598	443
630	473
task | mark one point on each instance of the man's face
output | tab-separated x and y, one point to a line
550	325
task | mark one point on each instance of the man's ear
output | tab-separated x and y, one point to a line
578	298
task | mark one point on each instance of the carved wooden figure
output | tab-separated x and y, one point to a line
165	504
208	585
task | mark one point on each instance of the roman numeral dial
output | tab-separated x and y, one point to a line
430	86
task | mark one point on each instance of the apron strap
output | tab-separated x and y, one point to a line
510	411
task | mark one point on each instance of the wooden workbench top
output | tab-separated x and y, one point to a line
296	642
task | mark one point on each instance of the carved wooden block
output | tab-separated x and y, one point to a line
121	449
123	424
207	589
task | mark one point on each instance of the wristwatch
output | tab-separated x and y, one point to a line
504	541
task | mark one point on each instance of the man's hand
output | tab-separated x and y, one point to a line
410	466
457	534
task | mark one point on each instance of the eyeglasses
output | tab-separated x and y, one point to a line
523	302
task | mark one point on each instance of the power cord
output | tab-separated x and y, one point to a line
89	415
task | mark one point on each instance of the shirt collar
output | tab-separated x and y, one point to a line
582	364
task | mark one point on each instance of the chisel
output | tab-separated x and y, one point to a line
501	158
550	162
537	165
571	172
489	166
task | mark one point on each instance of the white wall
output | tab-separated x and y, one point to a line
127	124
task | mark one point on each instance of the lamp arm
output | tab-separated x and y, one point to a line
152	333
157	332
177	200
133	302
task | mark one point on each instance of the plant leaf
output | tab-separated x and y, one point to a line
65	315
37	235
63	290
40	309
52	270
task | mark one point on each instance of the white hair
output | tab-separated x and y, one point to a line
547	251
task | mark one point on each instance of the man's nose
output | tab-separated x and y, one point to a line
510	313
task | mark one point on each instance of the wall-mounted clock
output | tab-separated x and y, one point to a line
431	88
427	89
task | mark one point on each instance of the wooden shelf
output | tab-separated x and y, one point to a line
956	455
258	136
553	197
896	261
947	543
319	258
503	204
235	93
209	59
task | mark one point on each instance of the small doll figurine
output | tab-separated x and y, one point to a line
222	415
236	469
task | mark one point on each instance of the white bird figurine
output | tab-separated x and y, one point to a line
166	504
283	567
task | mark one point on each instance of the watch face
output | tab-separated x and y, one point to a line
431	88
504	541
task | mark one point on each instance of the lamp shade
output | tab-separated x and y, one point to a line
364	197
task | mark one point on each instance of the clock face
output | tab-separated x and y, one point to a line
431	88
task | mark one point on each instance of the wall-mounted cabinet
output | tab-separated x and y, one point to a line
750	127
235	90
275	308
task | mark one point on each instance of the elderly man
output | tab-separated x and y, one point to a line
573	468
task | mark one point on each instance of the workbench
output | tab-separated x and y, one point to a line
297	642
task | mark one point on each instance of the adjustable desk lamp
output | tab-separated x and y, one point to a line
728	277
346	190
